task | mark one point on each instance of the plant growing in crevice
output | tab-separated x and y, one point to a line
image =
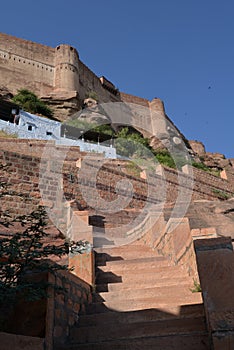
92	94
204	167
196	287
221	194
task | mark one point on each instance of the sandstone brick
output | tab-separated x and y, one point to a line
60	298
58	331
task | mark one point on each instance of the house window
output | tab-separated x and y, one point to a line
49	133
29	127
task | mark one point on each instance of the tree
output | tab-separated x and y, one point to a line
27	255
28	101
25	252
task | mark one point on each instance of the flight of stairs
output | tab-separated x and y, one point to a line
140	302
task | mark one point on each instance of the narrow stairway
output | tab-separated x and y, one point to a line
140	302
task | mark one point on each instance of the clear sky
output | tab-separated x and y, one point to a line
181	51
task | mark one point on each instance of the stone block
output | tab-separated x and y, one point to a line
223	341
215	260
20	342
83	266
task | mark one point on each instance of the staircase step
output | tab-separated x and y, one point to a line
129	276
145	303
125	252
125	287
188	311
124	248
134	264
137	330
173	342
140	293
102	258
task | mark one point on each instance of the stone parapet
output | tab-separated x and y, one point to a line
215	260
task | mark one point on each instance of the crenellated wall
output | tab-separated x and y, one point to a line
25	64
55	73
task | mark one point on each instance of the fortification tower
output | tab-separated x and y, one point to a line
66	76
158	119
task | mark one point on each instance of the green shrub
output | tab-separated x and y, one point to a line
221	194
28	101
131	143
92	94
196	287
204	167
165	158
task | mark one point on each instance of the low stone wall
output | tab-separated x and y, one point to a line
215	260
20	342
176	242
64	306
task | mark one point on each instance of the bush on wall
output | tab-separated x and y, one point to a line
28	101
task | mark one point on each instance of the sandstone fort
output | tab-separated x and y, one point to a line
155	274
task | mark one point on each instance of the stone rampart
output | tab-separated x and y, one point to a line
21	166
64	306
49	72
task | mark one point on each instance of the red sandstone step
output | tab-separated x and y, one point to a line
137	330
127	252
173	281
161	302
173	342
127	247
145	275
139	293
134	264
184	312
102	259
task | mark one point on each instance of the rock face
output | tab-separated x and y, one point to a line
63	104
92	113
5	94
213	214
197	147
217	161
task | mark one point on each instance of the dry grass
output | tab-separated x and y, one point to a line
4	134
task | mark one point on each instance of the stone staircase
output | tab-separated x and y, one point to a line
140	302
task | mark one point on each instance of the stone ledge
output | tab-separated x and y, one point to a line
213	244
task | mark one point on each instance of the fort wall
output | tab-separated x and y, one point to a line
47	71
20	167
25	64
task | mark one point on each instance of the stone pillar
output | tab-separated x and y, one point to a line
215	261
82	261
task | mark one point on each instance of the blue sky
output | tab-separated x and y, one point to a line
181	51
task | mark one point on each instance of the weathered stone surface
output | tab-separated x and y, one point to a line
219	215
197	147
145	308
215	259
20	342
